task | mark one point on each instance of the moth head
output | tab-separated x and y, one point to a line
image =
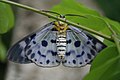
61	26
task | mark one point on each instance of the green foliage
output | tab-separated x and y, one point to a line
6	23
6	18
92	17
106	65
2	52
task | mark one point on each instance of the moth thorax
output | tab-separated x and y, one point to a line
61	26
61	44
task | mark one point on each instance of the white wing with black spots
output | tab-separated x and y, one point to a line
18	54
81	48
43	50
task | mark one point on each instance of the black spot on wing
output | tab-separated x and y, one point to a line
94	41
80	63
89	37
32	36
70	52
27	47
80	55
41	63
53	41
35	59
68	41
44	43
29	52
86	60
67	53
52	52
65	61
34	42
48	61
27	41
94	47
77	44
89	56
32	55
88	42
92	52
41	54
74	61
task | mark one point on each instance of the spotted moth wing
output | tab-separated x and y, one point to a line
19	52
43	50
81	47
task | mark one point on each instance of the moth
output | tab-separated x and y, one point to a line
54	44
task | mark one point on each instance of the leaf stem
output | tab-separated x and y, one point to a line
57	18
114	36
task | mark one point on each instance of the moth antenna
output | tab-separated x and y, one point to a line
58	15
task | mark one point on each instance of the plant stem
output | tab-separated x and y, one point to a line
57	18
114	36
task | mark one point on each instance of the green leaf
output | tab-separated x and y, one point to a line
92	19
106	31
6	18
105	55
73	7
108	43
114	24
2	52
105	66
108	71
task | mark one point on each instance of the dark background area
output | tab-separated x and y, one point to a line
111	8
